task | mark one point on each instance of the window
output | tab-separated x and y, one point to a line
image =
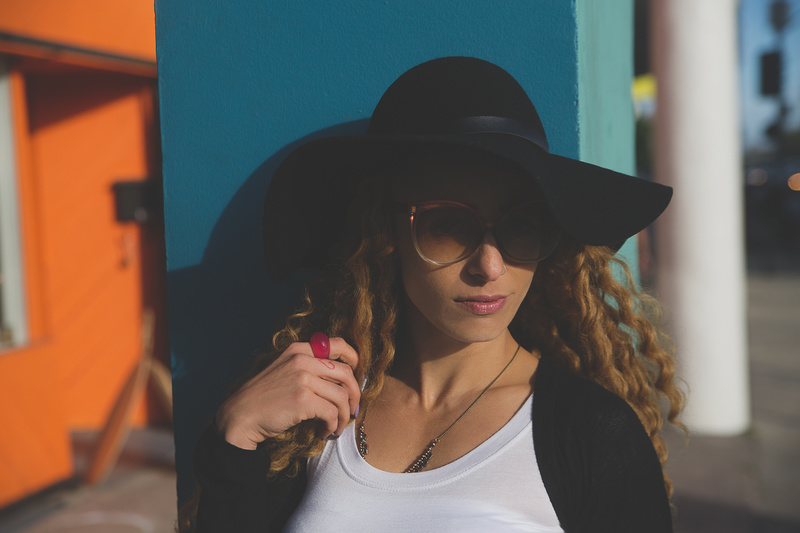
13	323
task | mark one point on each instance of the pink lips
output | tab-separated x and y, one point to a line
483	304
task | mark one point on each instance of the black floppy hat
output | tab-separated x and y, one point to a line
460	102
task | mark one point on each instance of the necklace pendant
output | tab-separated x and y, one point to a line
362	441
422	460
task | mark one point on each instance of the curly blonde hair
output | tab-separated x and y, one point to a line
606	330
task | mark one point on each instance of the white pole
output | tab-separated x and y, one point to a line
701	276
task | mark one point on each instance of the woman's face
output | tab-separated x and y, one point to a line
475	299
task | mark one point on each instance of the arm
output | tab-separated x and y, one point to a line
232	465
235	494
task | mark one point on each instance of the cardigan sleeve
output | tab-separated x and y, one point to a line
597	462
625	489
235	494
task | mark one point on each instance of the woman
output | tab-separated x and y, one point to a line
467	361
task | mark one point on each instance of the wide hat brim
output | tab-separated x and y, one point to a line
302	215
451	102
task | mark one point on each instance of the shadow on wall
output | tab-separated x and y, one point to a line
224	310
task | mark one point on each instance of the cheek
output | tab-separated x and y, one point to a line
413	269
424	283
530	273
523	282
528	278
530	296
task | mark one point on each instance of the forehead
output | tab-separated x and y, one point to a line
473	178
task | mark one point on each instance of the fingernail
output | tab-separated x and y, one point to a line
357	409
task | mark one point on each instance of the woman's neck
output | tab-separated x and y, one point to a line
439	368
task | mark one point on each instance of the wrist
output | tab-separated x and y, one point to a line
232	432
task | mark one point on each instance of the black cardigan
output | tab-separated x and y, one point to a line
597	463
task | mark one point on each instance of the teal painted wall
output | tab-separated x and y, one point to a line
606	124
241	82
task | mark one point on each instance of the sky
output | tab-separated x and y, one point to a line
757	37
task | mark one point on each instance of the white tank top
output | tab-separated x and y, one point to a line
496	487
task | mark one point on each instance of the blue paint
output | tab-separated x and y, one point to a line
239	83
605	75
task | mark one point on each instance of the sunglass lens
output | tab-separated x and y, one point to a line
527	234
446	234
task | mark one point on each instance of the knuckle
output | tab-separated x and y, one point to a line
294	349
304	379
333	413
297	362
341	396
344	409
302	395
294	346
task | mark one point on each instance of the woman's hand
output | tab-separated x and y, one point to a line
295	387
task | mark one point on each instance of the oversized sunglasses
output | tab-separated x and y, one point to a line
446	232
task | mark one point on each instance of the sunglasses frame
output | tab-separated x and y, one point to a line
412	210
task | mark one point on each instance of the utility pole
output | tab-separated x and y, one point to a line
772	73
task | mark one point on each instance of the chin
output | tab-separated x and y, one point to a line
471	333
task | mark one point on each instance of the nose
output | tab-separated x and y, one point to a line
486	262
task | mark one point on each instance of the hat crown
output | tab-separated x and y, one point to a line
447	95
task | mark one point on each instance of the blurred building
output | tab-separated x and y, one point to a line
81	230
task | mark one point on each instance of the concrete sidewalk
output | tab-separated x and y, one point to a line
744	484
138	496
751	483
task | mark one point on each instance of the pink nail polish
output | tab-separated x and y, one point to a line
357	409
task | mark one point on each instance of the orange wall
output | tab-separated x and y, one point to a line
87	131
88	277
34	446
123	27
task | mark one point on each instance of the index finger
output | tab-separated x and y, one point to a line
343	352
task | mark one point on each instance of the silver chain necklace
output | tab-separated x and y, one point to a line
425	456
